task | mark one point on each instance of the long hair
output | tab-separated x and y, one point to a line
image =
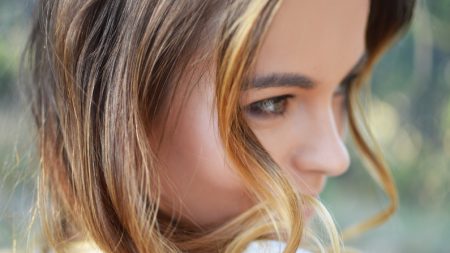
102	74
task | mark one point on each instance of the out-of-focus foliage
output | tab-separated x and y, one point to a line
409	115
16	177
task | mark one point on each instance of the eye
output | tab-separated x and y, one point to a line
275	106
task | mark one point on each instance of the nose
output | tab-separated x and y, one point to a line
322	150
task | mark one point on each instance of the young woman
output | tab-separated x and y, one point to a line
201	126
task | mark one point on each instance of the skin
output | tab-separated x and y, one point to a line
320	40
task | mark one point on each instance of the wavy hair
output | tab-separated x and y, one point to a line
102	74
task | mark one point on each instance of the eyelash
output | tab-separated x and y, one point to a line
257	108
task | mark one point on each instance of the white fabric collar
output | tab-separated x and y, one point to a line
268	246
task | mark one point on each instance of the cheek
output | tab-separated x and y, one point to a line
194	169
195	143
196	153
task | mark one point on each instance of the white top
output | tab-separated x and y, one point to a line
268	246
257	246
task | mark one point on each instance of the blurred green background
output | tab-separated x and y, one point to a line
409	115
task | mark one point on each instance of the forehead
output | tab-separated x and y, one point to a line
322	39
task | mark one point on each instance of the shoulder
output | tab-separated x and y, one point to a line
268	246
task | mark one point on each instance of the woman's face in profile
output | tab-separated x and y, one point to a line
294	106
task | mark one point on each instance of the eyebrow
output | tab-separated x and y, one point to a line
297	80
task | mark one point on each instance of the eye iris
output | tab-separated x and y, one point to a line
268	106
275	105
